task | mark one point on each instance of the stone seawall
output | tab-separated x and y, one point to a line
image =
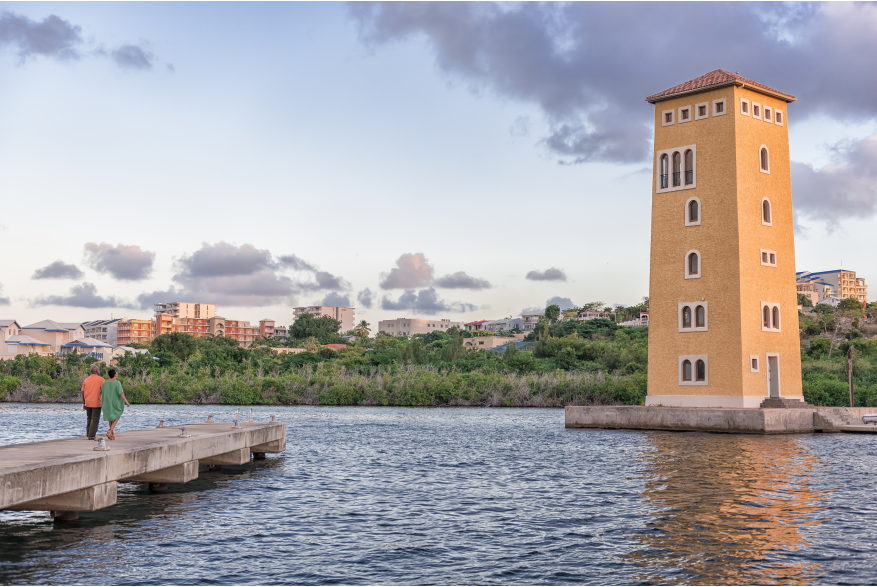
734	421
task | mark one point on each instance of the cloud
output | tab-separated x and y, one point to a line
334	299
58	270
552	274
52	37
239	275
412	270
82	296
365	298
425	301
846	188
125	262
56	38
3	301
324	281
460	280
297	263
564	303
531	310
132	57
588	66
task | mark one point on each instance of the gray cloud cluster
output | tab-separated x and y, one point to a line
460	280
425	301
125	262
414	270
844	189
552	274
82	296
3	301
295	262
564	303
242	275
56	38
411	270
333	298
588	66
58	270
365	298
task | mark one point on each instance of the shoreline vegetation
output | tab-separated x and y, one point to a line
594	362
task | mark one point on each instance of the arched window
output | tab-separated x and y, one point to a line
776	317
689	167
700	367
686	370
700	317
765	212
677	169
665	169
693	211
764	159
693	264
766	317
686	317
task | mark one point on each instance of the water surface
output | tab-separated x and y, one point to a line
465	496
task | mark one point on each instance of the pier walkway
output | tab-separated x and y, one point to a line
68	476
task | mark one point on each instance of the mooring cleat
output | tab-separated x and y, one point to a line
101	445
184	433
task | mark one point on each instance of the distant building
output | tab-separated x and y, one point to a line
134	331
20	344
102	330
266	327
90	347
505	324
841	283
477	325
281	333
54	333
409	326
343	315
643	320
8	328
591	315
186	310
529	320
490	342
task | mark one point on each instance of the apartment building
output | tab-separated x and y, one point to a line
54	334
591	315
529	320
266	327
133	330
409	326
841	283
102	330
344	315
473	326
91	347
186	310
505	324
281	333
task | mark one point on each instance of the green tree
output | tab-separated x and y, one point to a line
566	359
414	352
362	329
324	328
804	301
552	312
510	350
850	306
179	344
453	349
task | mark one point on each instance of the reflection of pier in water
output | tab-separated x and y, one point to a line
726	508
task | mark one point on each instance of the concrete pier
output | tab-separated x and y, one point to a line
66	476
728	420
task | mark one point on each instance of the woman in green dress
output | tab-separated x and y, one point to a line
113	401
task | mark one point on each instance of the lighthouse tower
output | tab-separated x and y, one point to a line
723	320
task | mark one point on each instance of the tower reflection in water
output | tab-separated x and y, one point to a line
728	509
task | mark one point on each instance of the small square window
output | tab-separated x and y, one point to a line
756	111
767	114
753	363
701	110
744	107
685	114
719	107
778	117
768	258
668	117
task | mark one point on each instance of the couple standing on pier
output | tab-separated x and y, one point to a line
98	393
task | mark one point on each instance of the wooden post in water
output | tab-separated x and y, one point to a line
850	373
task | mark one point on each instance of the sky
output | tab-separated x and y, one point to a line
462	161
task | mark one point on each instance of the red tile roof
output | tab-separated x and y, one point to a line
719	77
471	323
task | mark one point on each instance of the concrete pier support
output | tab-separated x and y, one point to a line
81	500
177	474
238	456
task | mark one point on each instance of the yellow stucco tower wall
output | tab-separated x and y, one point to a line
745	362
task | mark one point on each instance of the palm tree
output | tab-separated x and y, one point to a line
362	329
